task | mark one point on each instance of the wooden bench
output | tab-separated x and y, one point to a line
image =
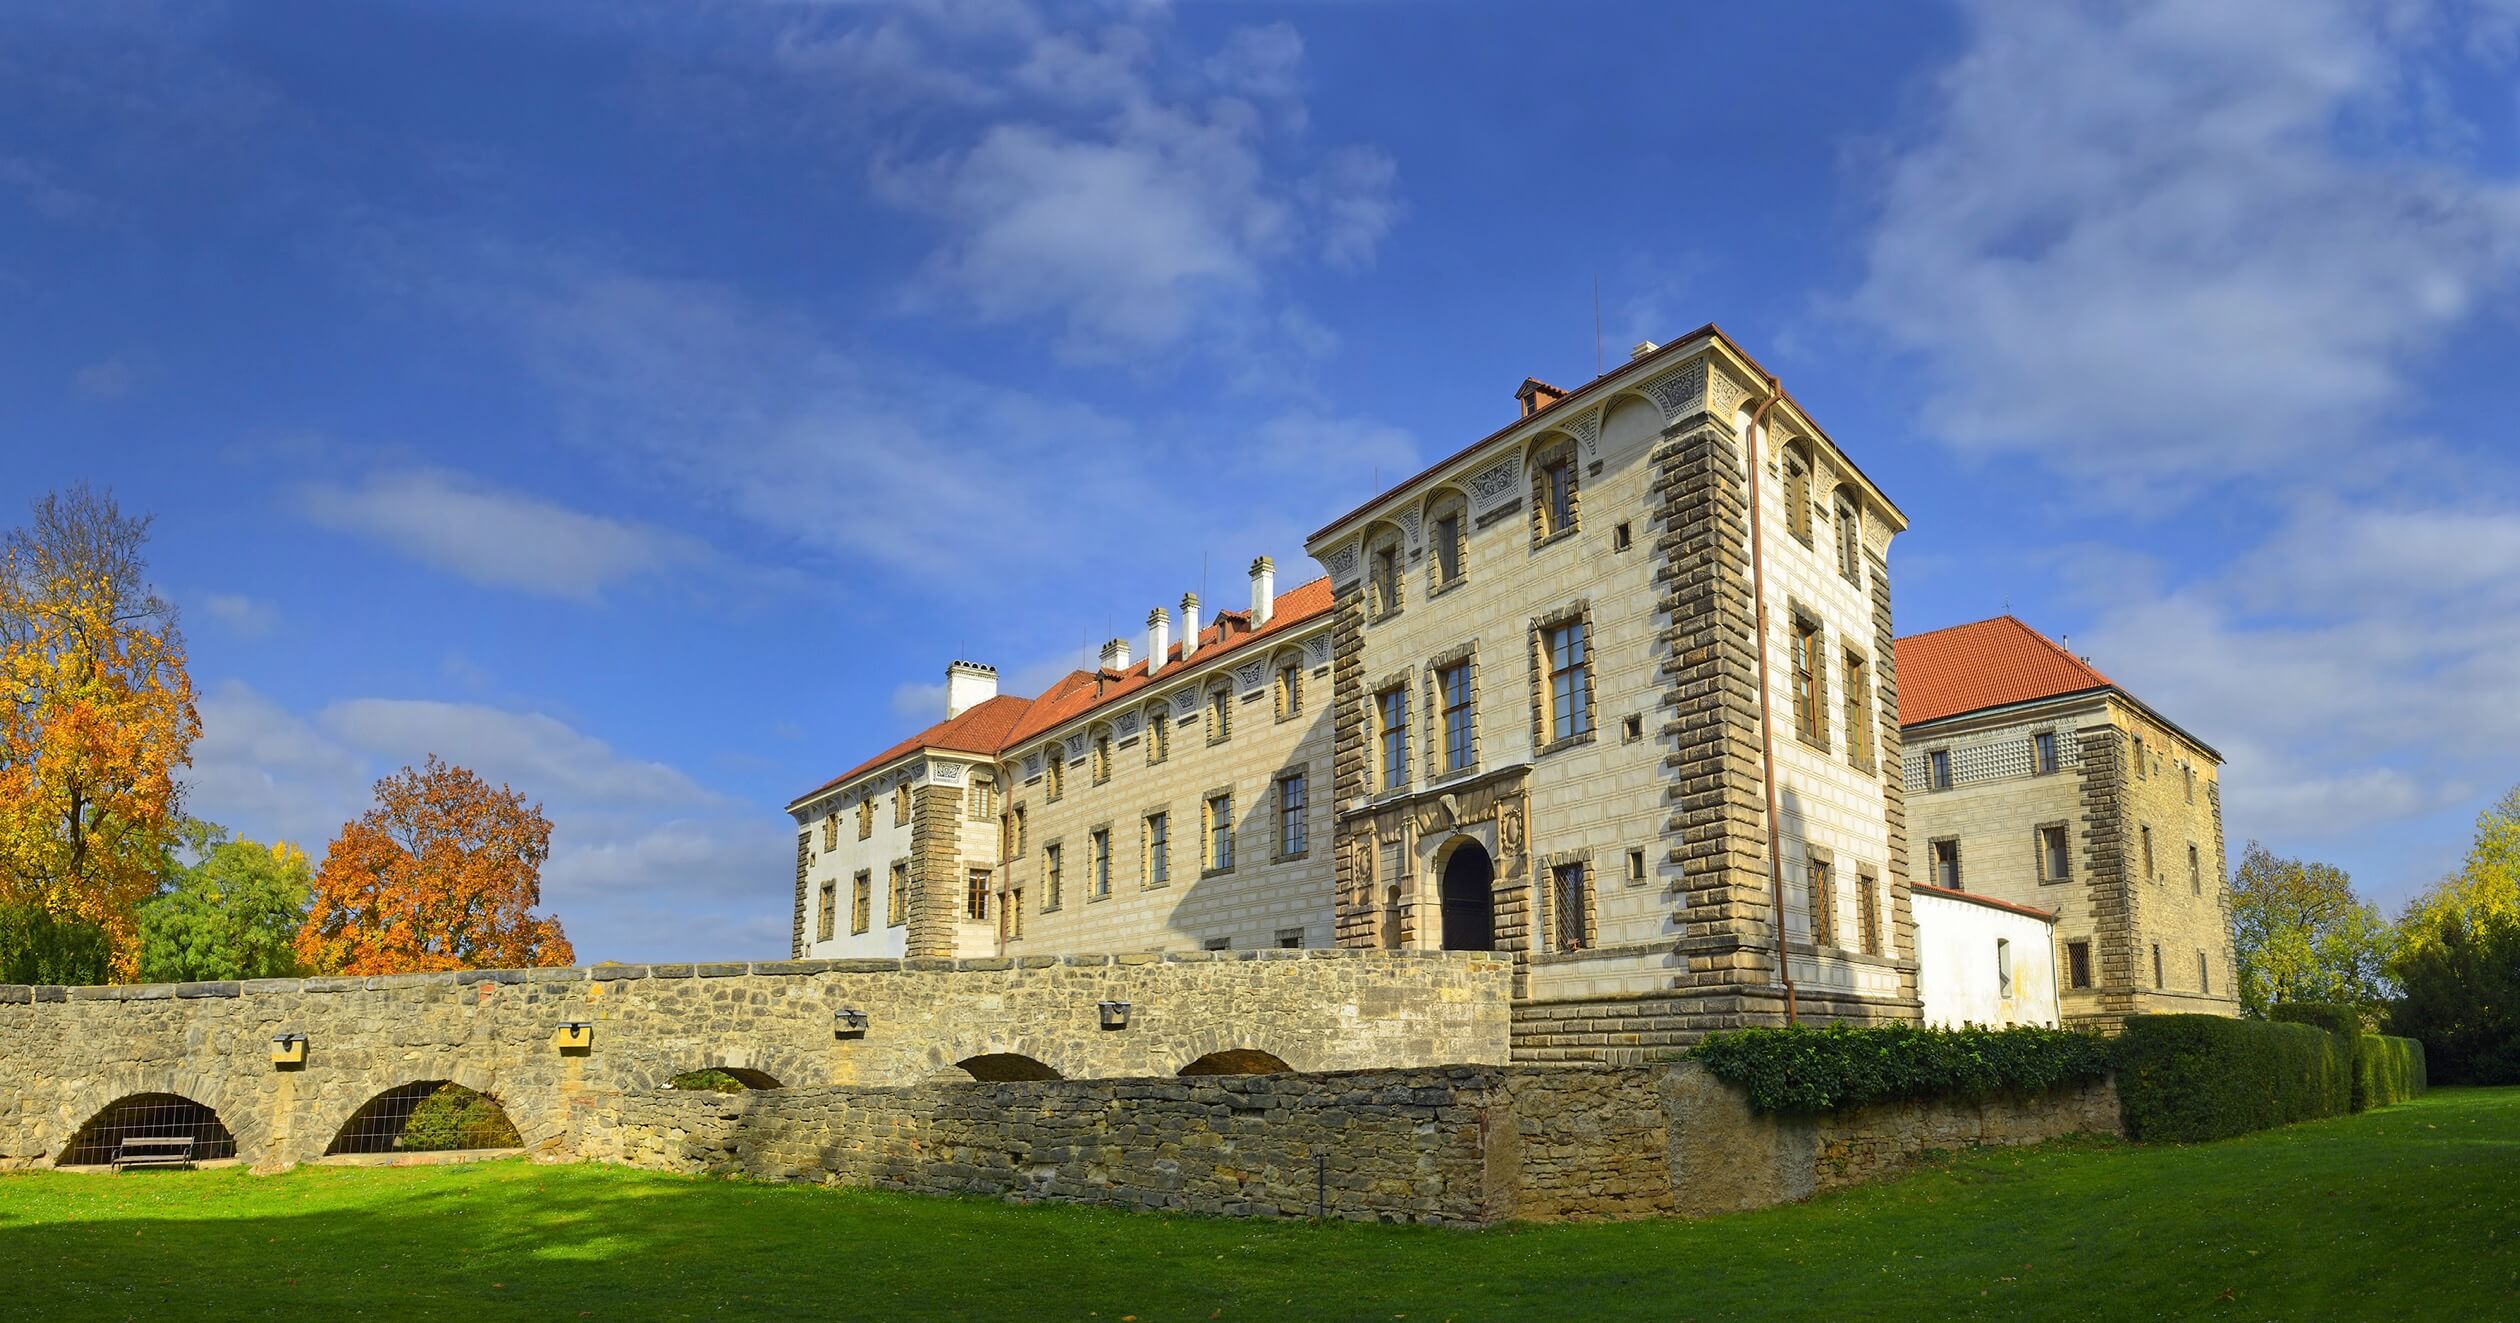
157	1151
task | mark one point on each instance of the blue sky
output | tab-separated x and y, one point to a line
642	403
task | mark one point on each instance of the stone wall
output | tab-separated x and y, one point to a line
65	1054
1463	1146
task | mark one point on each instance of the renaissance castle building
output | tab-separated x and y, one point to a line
1517	709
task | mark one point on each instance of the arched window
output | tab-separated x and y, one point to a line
426	1116
1798	493
1447	527
151	1129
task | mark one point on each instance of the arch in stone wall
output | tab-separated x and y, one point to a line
780	1065
536	1113
1001	1067
378	1125
98	1140
1236	1061
1215	1040
749	1078
240	1109
945	1058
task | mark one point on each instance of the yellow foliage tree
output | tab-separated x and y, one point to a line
96	713
2485	890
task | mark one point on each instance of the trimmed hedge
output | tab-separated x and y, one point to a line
1823	1069
2384	1070
2183	1078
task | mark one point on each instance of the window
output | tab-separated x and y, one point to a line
897	897
1798	495
1557	500
1574	929
1859	733
2054	860
1290	939
1290	690
1051	881
2158	985
1811	695
1938	769
1570	682
1636	868
1621	539
901	805
1946	853
1102	758
2196	871
866	815
1632	730
1868	912
1220	832
976	895
1016	821
1158	735
1100	846
1850	537
2078	964
1386	580
2003	967
1452	685
2189	772
1057	785
830	910
1220	714
2043	751
1447	550
1217	944
980	800
2139	758
2150	873
1290	789
862	901
1822	898
1013	916
1158	849
831	830
1393	704
2204	979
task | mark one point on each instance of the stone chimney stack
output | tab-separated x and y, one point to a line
1263	591
1158	638
968	685
1189	624
1115	655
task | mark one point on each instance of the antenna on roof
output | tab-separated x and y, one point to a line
1596	323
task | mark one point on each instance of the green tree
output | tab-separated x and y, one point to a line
234	914
2302	935
38	946
2486	889
2461	997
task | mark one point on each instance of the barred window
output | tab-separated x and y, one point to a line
862	901
1822	898
1868	915
830	910
2078	964
1453	687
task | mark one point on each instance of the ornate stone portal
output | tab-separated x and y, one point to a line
1394	849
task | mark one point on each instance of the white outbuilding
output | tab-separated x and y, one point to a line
1984	961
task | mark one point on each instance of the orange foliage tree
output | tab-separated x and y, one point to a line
96	713
444	873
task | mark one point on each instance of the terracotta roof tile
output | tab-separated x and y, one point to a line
1988	664
982	729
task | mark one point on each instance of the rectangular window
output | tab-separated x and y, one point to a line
1822	898
1158	737
1868	912
831	830
1100	845
866	815
976	896
862	901
2196	872
1947	865
1636	868
1386	581
1452	686
1291	814
1570	684
981	800
2156	954
1850	531
2151	874
1014	916
2003	967
1102	759
1051	882
1057	784
897	896
830	911
2054	860
1574	928
1290	690
1621	539
1290	939
901	806
2204	980
1017	850
2043	751
1448	549
1158	849
2078	964
1394	706
2139	758
1217	944
1859	733
1811	720
1938	769
1560	510
1220	825
1220	714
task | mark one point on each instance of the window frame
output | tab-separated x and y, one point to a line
2055	862
1294	830
2044	760
1053	875
1155	848
1562	673
2078	976
1934	852
1216	848
1391	737
1098	863
897	894
862	902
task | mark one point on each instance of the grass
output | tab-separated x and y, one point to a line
2408	1212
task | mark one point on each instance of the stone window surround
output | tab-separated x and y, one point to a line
979	799
1933	869
1405	681
1827	859
861	901
827	922
901	804
1146	847
1286	688
2038	846
1869	929
1795	494
1053	881
1545	874
1015	824
1537	465
897	899
1861	740
1846	508
1435	742
1054	768
866	814
1797	616
831	829
1640	866
2065	953
1446	503
1218	716
2056	752
1384	600
1157	719
1094	884
1277	787
1207	831
1101	754
1578	611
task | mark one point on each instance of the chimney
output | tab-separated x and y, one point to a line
1158	638
1263	591
1537	395
1643	347
1115	655
968	685
1189	624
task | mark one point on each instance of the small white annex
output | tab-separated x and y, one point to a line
1984	961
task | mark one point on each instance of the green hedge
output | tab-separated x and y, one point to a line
1822	1069
2383	1070
2190	1077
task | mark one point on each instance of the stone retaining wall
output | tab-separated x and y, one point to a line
1464	1146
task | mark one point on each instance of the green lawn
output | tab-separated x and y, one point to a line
2408	1212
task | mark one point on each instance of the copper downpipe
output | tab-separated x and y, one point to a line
1767	726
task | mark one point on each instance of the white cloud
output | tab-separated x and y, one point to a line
106	379
499	538
245	617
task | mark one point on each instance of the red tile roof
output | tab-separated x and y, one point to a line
1001	723
1988	901
1989	664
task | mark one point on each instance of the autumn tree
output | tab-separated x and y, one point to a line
444	873
2458	959
96	713
2301	934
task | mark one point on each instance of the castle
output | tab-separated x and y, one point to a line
1521	711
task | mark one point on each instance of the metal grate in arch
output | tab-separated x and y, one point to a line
152	1128
426	1116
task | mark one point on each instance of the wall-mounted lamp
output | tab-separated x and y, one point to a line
1115	1014
574	1036
288	1049
848	1022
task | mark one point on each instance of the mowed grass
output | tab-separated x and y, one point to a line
2410	1212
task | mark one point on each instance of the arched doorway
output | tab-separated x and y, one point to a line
1469	890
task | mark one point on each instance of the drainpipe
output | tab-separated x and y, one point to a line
1767	727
